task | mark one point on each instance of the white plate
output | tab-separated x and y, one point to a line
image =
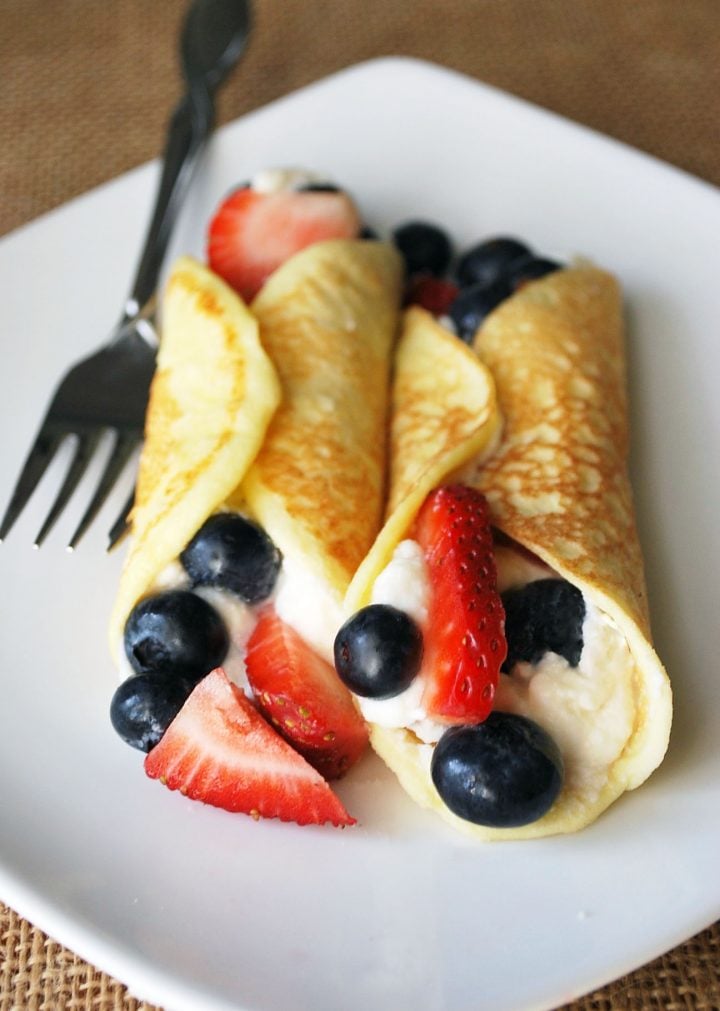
193	907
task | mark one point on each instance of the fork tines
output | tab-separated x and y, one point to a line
39	458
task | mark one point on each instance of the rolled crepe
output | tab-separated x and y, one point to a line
558	486
278	411
212	397
328	319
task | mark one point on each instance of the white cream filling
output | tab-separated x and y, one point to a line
275	180
299	597
588	710
305	602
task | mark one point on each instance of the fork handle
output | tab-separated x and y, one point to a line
189	128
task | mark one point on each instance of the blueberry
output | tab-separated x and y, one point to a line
541	617
530	267
473	304
378	651
318	188
366	232
425	248
235	554
175	633
488	261
502	773
144	706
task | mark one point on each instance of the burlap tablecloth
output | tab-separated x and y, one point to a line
87	85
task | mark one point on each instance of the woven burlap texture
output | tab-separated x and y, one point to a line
89	99
87	89
38	974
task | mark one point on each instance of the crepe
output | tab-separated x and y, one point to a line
298	386
211	399
558	486
328	319
444	413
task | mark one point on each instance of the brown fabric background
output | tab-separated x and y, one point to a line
87	85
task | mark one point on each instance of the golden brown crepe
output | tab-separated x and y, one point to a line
328	319
211	400
317	341
444	413
558	485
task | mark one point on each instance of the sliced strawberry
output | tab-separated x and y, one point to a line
220	750
432	293
304	698
252	233
465	642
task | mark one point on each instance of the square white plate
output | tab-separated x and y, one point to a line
195	908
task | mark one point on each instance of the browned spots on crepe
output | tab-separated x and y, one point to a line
328	319
444	413
442	397
559	481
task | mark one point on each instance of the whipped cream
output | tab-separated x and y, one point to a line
588	710
276	180
300	598
404	584
303	601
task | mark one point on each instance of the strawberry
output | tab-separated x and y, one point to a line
432	293
304	698
220	750
465	643
253	233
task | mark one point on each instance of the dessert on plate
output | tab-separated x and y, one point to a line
531	723
260	490
475	577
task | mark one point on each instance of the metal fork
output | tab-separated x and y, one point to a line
108	390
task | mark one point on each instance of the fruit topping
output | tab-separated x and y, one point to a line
432	293
220	750
486	262
175	633
378	651
235	554
253	233
530	267
143	707
473	304
542	617
501	773
301	695
318	187
425	248
464	634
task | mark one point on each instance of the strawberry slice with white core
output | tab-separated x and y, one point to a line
304	698
253	233
220	750
464	637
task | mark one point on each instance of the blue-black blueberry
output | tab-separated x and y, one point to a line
144	706
542	617
235	554
378	651
425	247
502	773
176	633
473	304
488	261
529	268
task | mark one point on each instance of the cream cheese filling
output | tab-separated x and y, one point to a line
588	710
299	597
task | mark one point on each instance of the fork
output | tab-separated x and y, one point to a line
108	390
